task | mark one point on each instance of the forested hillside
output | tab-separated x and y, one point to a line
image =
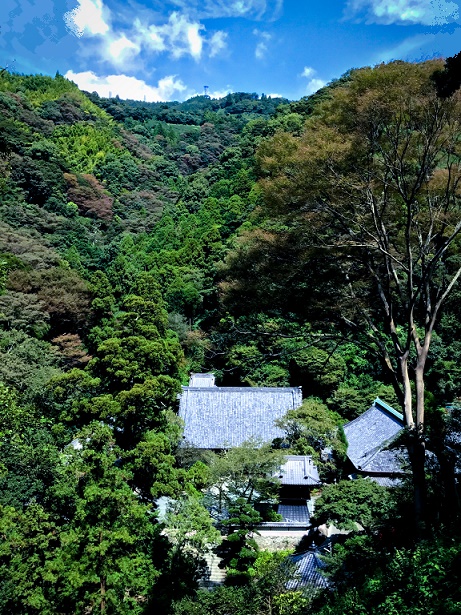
312	243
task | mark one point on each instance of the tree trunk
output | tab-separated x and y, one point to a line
417	455
103	594
407	397
418	461
416	446
102	580
419	381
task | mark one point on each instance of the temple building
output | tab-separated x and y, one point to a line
219	418
371	447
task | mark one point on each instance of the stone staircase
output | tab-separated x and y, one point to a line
215	575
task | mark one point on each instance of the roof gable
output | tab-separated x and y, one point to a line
308	567
299	470
368	436
201	380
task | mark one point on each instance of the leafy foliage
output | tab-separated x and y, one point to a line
350	502
246	473
137	245
314	430
406	580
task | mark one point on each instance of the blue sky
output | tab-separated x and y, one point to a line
154	50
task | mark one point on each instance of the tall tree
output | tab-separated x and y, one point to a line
245	472
368	201
448	80
104	562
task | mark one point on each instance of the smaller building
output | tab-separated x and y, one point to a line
298	476
308	570
370	437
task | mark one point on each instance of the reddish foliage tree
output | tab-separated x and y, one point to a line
64	296
89	195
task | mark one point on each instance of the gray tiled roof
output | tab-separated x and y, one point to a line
370	434
299	470
386	481
387	461
308	571
294	513
223	417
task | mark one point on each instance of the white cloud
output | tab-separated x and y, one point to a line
250	9
128	87
152	38
184	36
308	72
260	51
425	12
314	85
89	17
412	46
122	49
179	36
217	43
220	93
195	41
261	47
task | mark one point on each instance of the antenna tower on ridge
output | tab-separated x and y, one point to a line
205	91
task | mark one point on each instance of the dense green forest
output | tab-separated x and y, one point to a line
313	243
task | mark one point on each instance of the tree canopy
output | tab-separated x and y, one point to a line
367	202
310	244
